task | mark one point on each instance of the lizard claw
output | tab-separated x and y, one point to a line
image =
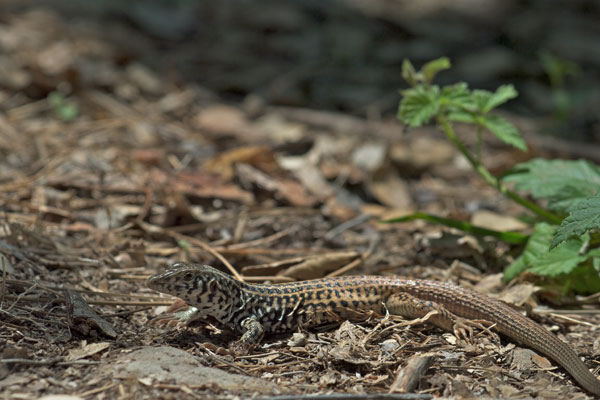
463	328
176	319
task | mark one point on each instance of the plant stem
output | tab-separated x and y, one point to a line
491	179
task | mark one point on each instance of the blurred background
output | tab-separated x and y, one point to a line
340	55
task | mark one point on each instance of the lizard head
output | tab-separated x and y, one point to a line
201	286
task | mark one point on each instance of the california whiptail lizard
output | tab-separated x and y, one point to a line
255	309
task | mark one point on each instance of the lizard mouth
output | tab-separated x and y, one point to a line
151	283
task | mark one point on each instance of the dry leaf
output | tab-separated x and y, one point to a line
499	222
86	350
261	157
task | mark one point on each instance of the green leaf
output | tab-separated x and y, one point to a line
556	180
568	198
514	269
431	69
584	217
502	95
505	131
536	246
481	98
567	263
510	237
583	279
462	116
419	105
459	97
561	260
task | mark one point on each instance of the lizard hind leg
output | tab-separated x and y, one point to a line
408	306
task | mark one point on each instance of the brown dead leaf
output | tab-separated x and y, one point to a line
329	378
499	222
260	157
310	176
86	350
451	245
281	188
148	156
200	184
522	360
519	294
391	190
339	210
224	120
540	361
422	153
84	319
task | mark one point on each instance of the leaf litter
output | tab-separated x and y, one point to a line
143	172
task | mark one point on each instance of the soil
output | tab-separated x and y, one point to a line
262	137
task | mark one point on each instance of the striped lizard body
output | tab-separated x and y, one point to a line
255	309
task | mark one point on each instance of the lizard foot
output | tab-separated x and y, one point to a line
463	328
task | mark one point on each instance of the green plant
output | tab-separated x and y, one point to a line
564	244
65	109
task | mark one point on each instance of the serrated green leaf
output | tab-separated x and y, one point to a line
556	180
462	116
539	242
536	246
502	95
481	98
459	97
584	217
505	131
568	198
457	91
561	260
431	69
567	260
419	105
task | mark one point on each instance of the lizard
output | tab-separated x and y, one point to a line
255	309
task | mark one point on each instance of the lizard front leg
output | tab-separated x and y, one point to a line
253	331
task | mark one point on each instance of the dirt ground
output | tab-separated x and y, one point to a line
112	169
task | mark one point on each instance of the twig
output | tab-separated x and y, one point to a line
98	390
176	235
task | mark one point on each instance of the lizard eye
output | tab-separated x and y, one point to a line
188	276
212	286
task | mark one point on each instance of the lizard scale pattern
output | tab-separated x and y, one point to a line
255	309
